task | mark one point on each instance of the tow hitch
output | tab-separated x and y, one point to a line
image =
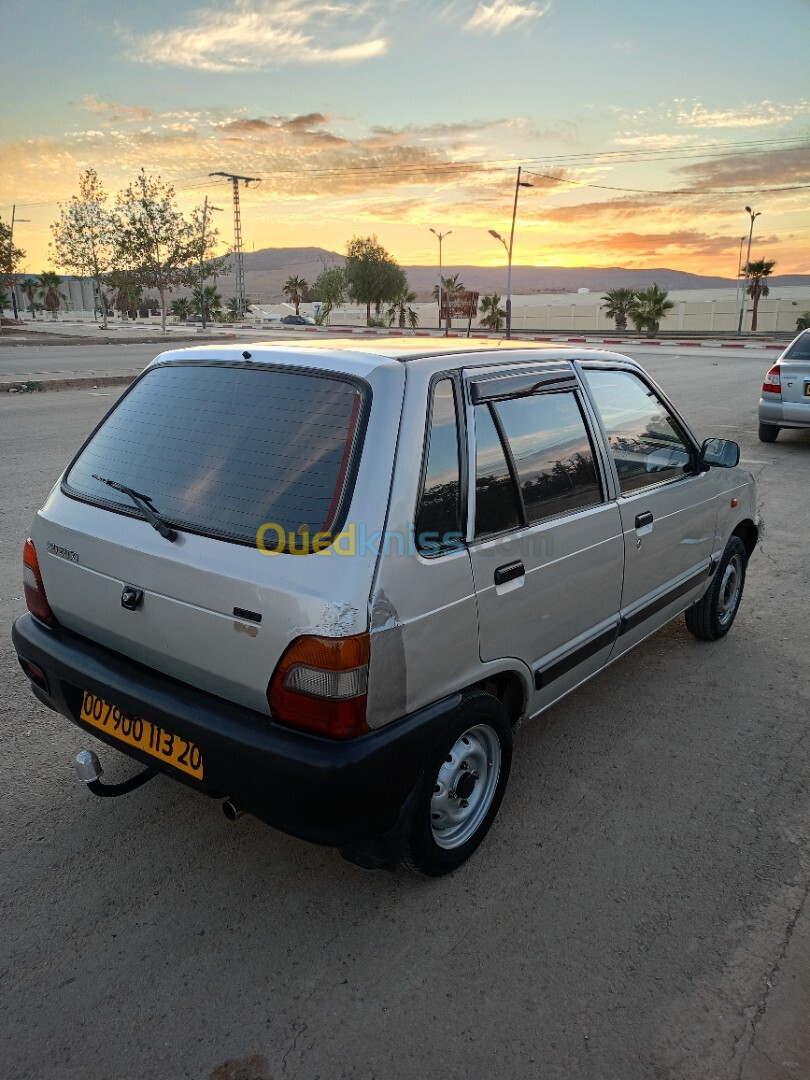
89	770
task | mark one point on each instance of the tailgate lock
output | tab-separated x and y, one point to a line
131	598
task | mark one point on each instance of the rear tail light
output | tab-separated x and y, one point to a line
320	685
33	587
772	383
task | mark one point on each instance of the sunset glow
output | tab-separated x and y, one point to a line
644	131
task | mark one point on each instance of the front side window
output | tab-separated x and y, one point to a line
647	442
438	524
552	452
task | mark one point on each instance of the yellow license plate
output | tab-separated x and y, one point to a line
135	731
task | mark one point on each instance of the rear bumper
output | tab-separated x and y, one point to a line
343	794
791	414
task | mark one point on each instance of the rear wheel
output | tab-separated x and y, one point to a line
463	787
711	617
768	432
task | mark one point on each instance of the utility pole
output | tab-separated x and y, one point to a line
237	235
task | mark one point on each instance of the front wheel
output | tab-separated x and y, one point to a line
464	784
711	617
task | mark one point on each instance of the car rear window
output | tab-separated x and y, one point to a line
800	349
224	449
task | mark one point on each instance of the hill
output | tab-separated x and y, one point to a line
267	270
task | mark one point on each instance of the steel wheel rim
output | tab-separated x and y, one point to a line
465	787
730	586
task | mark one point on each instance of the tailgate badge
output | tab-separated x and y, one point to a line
131	598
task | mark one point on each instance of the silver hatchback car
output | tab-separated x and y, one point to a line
785	400
324	584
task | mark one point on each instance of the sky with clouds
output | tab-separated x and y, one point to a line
643	129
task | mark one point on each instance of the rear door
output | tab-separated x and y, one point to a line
668	508
547	550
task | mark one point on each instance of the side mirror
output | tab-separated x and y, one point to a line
722	453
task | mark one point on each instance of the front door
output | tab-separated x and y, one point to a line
547	552
668	508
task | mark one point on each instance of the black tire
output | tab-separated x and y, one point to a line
443	835
768	432
712	616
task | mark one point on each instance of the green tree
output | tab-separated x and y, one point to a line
492	314
803	321
157	243
294	289
5	300
10	257
757	286
330	288
649	308
618	304
48	284
83	236
372	275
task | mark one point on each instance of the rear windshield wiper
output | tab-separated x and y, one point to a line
142	502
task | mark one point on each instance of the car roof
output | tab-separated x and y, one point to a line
365	355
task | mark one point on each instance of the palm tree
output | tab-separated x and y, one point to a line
181	307
492	314
48	284
29	289
401	310
233	307
617	305
451	286
648	309
294	289
757	286
212	300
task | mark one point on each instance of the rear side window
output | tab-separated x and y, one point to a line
223	450
438	525
496	505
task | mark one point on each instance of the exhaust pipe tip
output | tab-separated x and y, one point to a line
232	810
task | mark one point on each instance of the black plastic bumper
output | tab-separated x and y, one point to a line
355	795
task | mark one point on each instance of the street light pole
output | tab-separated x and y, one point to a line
509	247
739	275
752	215
11	253
441	237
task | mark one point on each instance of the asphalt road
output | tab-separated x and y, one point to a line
624	919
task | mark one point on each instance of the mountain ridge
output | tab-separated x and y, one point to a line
266	271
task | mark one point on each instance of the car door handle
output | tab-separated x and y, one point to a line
643	520
508	572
